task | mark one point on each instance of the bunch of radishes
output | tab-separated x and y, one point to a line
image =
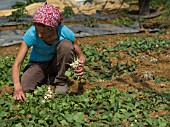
75	63
49	93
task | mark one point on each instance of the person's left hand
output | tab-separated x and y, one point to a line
79	70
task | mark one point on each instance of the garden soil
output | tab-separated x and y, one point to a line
125	81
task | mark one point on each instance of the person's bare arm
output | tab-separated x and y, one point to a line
81	57
79	51
18	91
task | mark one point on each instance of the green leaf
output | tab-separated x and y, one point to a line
69	118
78	117
64	123
18	125
41	121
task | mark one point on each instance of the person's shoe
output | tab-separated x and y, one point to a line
61	89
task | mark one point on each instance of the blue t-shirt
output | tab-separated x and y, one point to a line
40	50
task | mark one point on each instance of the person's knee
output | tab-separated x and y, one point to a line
27	88
29	83
65	47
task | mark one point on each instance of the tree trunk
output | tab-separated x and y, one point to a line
144	7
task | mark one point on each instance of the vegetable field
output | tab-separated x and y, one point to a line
126	84
126	81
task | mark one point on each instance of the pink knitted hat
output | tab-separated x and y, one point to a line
48	15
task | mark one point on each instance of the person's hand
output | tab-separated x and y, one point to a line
19	94
80	69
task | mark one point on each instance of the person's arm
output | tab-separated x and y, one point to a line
18	91
81	57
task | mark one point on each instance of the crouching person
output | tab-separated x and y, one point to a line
54	47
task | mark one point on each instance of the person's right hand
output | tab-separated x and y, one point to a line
19	95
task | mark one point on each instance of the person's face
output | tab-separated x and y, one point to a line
46	33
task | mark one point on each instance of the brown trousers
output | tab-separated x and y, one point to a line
36	73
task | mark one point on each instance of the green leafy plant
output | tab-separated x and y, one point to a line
126	21
19	13
89	22
68	12
96	107
6	69
161	79
31	1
